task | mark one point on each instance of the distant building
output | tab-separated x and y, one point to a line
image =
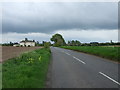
27	43
16	45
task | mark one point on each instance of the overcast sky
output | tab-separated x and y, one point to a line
83	21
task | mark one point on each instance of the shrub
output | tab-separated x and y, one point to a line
46	45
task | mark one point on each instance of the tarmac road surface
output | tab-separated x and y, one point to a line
71	69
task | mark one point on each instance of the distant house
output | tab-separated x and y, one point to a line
16	45
27	43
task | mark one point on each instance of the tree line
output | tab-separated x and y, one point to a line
59	41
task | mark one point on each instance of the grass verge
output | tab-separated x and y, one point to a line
0	76
27	71
106	52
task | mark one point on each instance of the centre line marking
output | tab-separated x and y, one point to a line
79	60
67	53
109	78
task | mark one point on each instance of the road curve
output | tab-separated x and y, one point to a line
71	69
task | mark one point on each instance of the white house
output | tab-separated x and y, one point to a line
27	43
16	45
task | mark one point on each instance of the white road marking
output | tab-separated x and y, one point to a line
109	78
74	57
67	53
79	60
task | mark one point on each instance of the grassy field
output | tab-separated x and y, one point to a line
0	76
106	52
27	71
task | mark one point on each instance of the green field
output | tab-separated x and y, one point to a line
27	71
0	76
106	52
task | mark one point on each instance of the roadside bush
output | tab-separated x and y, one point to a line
46	45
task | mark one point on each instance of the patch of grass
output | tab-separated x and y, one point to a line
27	71
0	76
106	52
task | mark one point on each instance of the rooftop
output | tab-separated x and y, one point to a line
26	40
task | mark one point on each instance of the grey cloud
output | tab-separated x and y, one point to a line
49	17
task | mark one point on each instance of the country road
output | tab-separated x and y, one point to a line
71	69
